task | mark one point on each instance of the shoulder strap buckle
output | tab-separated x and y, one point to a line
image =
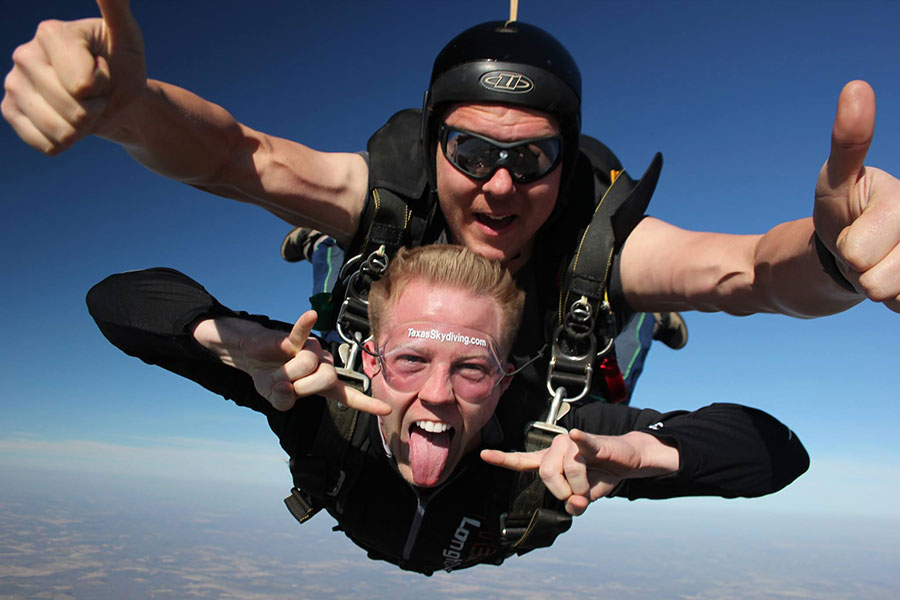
572	354
353	318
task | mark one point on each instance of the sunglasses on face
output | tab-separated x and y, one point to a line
479	157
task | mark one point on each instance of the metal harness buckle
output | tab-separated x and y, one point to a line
572	353
353	317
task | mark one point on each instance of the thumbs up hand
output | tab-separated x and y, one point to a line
74	78
857	208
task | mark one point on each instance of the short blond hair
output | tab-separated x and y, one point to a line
451	266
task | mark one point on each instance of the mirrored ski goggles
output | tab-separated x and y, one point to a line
479	157
467	357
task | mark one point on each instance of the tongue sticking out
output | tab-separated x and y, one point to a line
428	455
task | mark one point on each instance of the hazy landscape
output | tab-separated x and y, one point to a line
121	481
63	536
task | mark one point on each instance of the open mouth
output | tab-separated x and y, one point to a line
432	427
495	223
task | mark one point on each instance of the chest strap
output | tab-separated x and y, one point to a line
587	326
536	518
327	475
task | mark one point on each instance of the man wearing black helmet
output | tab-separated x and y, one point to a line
499	155
98	86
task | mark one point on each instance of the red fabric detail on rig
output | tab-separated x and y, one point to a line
615	383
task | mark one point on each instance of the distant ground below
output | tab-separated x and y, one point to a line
70	536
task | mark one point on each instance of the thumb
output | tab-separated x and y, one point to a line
119	20
854	125
302	328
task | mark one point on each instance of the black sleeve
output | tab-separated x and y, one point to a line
151	314
725	450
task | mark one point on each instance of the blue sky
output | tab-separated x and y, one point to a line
738	96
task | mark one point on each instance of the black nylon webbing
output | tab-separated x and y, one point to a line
535	518
389	222
589	269
333	463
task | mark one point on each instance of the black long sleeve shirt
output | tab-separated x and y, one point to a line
725	449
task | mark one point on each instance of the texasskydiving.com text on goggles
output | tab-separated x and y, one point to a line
412	352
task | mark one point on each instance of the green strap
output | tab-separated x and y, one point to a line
637	350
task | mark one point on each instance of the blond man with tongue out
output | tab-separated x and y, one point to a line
442	324
428	476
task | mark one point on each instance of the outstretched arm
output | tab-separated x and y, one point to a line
165	318
580	467
856	215
88	77
725	450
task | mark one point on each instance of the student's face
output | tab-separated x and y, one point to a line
497	218
435	386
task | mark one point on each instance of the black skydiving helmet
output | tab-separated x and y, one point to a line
517	64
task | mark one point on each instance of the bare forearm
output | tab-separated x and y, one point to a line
88	77
667	268
189	139
176	133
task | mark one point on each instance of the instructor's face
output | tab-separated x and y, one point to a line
442	388
497	218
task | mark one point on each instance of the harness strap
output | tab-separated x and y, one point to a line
396	177
334	464
536	518
533	522
353	317
398	183
389	222
588	272
584	310
395	216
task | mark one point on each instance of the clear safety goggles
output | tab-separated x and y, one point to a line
479	157
414	352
